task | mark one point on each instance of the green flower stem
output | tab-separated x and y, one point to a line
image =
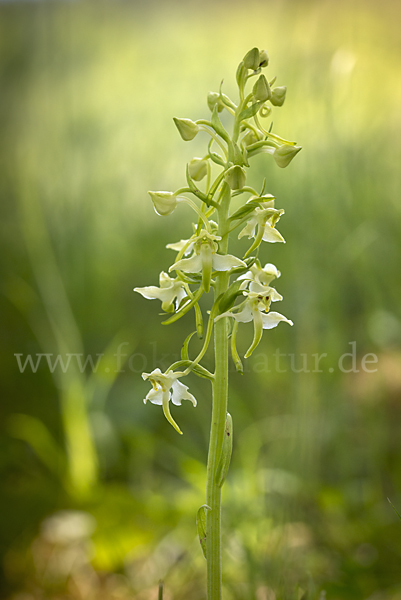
200	214
219	412
202	123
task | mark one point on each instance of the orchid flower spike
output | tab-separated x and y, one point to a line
166	387
169	290
205	258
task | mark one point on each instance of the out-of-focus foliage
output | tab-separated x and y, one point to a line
99	494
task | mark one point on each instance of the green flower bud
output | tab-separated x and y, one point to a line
261	89
251	59
164	202
213	98
284	154
187	128
241	75
235	177
197	168
278	96
263	59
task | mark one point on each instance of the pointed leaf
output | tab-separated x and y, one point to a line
230	296
201	526
234	352
244	210
226	451
218	126
251	111
202	372
216	158
184	349
194	189
199	321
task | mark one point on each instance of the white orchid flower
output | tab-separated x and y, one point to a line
264	219
255	308
263	276
169	290
205	258
166	387
188	245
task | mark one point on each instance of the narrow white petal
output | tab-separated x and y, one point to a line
226	262
178	246
247	275
243	316
150	292
249	229
188	265
272	235
180	295
275	296
180	392
272	319
155	396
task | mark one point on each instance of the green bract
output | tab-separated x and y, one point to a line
235	177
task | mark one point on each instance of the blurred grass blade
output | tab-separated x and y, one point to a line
394	508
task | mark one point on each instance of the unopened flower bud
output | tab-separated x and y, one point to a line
263	59
261	89
197	168
278	96
213	98
164	202
284	154
251	59
187	128
235	177
241	75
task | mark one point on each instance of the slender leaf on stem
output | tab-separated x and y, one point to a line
226	451
201	526
199	321
218	126
184	349
251	111
234	352
230	296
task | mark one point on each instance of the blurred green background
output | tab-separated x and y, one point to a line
98	492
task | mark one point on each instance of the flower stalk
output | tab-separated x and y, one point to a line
241	288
